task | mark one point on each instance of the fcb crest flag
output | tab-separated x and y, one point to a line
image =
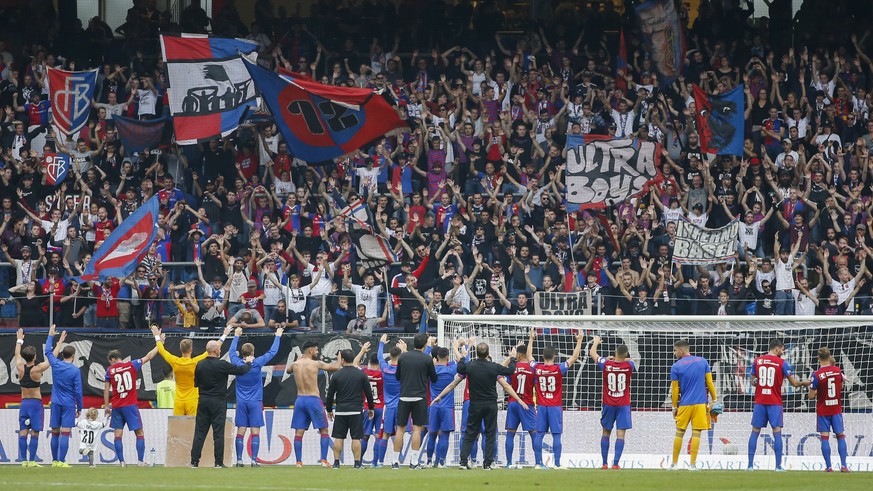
138	135
121	252
720	121
70	94
56	166
210	89
323	122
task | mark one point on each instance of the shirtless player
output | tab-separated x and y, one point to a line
309	408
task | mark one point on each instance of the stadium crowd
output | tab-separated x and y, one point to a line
471	198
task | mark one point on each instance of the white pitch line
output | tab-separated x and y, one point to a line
157	485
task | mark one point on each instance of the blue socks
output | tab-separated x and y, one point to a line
22	447
753	445
557	446
33	446
119	449
431	445
140	448
826	450
365	444
442	447
298	448
256	447
510	446
54	445
777	447
325	445
619	448
63	445
538	447
842	448
239	441
604	448
383	449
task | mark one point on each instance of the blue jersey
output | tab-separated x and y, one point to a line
389	378
445	376
691	372
250	386
67	380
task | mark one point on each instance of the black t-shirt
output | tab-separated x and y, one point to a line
414	369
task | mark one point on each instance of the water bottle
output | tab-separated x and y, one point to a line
152	457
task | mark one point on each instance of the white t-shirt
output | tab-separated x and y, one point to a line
785	275
60	231
748	235
761	276
147	102
700	220
843	291
324	284
672	215
295	298
369	297
802	125
272	293
367	179
88	438
624	123
803	305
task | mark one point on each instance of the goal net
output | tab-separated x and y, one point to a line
729	344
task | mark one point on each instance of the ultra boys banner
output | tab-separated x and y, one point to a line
695	245
603	171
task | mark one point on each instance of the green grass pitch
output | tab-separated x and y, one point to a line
348	479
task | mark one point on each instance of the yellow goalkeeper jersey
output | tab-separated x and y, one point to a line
183	371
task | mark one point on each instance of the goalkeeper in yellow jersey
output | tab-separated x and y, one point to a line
183	371
691	379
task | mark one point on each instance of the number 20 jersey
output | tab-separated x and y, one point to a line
121	378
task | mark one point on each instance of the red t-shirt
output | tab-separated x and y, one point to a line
522	382
98	230
550	382
770	372
121	378
251	301
377	386
248	165
616	381
828	384
107	298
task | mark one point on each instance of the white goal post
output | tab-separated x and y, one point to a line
730	344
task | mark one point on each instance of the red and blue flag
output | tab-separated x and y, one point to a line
210	89
56	167
323	122
138	135
121	252
720	120
70	94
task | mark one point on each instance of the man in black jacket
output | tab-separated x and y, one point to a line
210	376
414	369
481	380
349	386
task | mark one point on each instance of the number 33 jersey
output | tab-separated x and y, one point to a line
549	383
616	381
121	378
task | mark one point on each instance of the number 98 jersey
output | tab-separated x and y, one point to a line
616	381
121	378
770	372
